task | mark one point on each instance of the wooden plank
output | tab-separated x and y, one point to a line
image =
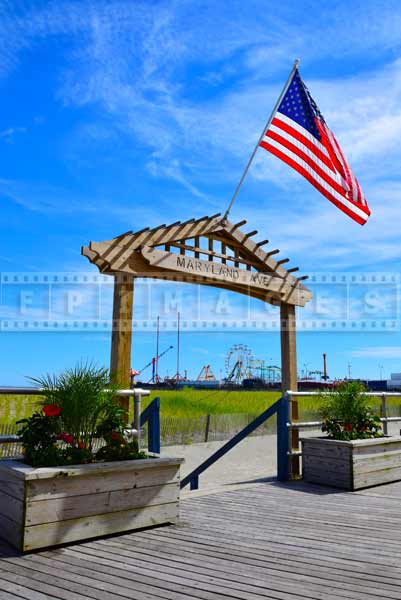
28	473
191	585
195	584
118	575
11	531
210	253
192	541
13	587
174	569
11	507
232	277
234	569
387	475
376	462
49	534
53	584
11	483
44	489
74	507
283	542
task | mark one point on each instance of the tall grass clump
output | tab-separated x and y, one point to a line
84	395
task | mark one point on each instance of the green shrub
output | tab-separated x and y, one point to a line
346	413
80	406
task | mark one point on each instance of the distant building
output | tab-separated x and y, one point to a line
394	383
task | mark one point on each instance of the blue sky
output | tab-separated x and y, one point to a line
120	115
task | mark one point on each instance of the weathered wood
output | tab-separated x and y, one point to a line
10	507
288	348
289	379
73	507
11	531
120	359
44	489
61	504
120	254
71	530
225	257
210	246
351	465
269	542
233	278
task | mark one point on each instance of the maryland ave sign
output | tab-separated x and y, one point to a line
224	275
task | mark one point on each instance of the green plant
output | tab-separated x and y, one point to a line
80	406
347	415
86	398
118	448
39	440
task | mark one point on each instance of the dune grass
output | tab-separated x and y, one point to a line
190	403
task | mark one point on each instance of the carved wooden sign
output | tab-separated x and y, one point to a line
210	251
227	276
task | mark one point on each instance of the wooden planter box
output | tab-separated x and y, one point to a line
49	506
351	465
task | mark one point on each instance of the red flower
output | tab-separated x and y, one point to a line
68	438
51	410
81	445
117	437
347	426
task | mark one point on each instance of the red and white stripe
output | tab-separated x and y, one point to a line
321	163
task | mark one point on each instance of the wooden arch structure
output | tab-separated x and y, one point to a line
211	251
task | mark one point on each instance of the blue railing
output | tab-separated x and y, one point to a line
281	409
151	416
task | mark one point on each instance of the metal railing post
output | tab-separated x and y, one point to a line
283	447
293	418
137	415
154	427
383	413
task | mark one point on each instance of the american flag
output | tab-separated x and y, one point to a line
299	135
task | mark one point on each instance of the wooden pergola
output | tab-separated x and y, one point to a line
209	251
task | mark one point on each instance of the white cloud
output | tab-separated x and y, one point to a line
377	352
11	131
148	67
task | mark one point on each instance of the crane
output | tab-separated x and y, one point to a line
152	363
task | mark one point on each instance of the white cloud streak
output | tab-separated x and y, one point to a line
390	352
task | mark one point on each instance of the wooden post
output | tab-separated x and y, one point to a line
289	377
120	359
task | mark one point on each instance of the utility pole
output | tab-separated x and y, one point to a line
178	349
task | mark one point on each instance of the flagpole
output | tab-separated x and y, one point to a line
284	90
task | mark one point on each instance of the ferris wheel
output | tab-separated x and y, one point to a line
239	363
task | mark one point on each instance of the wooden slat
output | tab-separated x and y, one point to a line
61	509
277	542
197	250
62	532
44	489
196	244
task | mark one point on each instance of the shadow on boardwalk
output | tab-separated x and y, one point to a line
266	541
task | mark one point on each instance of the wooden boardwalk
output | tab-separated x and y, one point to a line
284	542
